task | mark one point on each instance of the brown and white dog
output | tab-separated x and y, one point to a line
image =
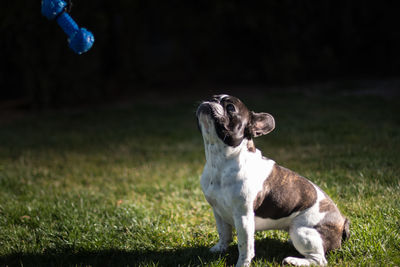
250	192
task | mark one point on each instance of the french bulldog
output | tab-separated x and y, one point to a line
251	193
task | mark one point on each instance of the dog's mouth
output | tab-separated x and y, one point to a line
209	113
213	109
205	116
204	108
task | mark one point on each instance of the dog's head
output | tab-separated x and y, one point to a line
228	119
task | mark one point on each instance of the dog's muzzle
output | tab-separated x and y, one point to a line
204	108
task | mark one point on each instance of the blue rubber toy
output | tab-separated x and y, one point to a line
80	39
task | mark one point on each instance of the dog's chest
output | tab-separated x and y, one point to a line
219	194
229	184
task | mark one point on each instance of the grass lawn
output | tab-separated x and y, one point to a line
119	186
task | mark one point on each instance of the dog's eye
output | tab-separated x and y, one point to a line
230	108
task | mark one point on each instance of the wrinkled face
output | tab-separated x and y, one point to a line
232	121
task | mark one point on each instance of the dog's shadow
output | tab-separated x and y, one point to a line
270	250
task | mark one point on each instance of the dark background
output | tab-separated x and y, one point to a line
167	45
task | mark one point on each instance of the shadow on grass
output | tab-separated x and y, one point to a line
270	250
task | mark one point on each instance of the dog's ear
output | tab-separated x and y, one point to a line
261	123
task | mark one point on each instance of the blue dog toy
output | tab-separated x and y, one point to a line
80	40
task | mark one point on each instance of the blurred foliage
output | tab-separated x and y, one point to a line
170	42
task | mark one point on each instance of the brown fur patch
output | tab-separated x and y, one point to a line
326	205
250	146
284	192
331	234
332	226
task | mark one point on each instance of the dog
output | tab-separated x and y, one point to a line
251	193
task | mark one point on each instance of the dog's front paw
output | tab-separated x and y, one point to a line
304	261
219	248
295	261
243	263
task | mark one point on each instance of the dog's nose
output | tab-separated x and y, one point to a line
215	99
218	98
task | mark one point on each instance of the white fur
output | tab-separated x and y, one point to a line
305	237
271	224
231	180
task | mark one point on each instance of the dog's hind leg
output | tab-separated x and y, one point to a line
225	234
309	243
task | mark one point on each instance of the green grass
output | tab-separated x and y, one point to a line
119	186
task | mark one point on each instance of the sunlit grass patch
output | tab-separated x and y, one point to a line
120	186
